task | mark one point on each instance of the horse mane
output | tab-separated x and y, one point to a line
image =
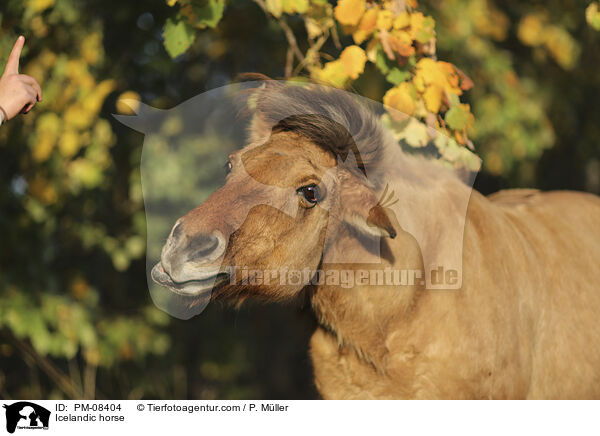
340	122
331	118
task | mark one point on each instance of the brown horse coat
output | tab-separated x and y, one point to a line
524	324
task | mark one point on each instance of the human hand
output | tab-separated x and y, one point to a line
18	92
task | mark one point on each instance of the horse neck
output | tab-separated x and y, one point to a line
362	317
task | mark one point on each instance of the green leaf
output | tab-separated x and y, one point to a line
415	134
411	131
397	76
453	152
210	13
295	6
178	36
457	117
274	7
426	33
381	60
423	36
135	246
592	15
454	99
120	260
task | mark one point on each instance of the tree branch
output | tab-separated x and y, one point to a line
289	34
89	382
289	63
63	382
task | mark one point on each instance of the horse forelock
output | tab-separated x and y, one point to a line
332	119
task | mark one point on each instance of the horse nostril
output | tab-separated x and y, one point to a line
202	246
176	232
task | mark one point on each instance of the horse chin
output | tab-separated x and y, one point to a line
201	288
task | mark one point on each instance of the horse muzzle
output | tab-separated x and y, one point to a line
191	264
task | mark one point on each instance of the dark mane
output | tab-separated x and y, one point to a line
333	119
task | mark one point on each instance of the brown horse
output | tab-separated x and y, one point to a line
524	324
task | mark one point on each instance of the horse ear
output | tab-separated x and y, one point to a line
379	218
259	129
363	211
143	120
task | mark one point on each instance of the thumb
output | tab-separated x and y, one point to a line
12	66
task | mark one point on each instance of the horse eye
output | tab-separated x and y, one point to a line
228	167
311	193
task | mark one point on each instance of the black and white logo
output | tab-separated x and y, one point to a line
26	415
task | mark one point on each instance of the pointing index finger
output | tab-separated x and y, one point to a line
12	66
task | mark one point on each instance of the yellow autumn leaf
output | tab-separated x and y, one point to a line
353	58
63	93
530	30
401	42
489	21
69	143
372	48
400	98
332	73
402	21
427	68
47	129
385	19
93	102
128	103
91	48
274	7
433	98
419	84
360	36
436	73
366	26
48	124
535	31
39	5
103	133
349	12
562	46
77	117
42	149
417	20
77	71
451	75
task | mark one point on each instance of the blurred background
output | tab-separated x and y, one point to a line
516	80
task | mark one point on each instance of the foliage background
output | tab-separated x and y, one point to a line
76	319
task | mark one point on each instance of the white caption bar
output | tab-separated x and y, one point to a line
298	417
